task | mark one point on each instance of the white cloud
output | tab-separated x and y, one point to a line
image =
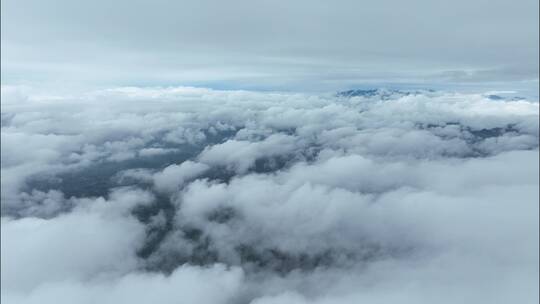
215	284
148	152
241	155
430	196
95	239
174	176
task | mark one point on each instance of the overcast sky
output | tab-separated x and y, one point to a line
269	44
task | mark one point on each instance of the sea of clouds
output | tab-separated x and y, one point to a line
193	195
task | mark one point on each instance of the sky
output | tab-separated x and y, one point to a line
271	45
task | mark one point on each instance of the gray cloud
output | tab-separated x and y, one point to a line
205	196
313	45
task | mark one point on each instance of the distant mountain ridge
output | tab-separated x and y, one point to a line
386	94
382	93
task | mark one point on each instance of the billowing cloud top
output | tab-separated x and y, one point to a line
192	195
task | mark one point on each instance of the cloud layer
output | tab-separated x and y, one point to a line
139	195
270	44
